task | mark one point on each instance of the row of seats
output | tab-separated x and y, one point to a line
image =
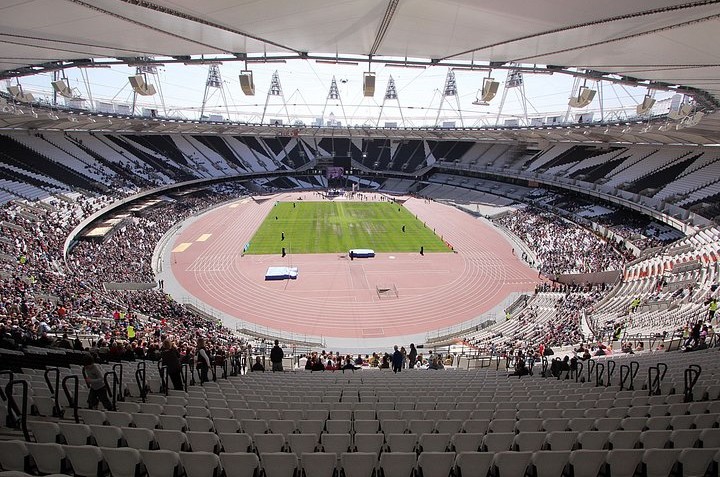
169	439
127	462
275	410
476	423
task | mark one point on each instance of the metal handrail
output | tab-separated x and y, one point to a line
114	387
611	365
119	372
22	412
72	399
140	378
599	372
692	374
55	391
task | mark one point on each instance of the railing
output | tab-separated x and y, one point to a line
21	412
627	375
54	390
140	378
692	374
72	398
656	374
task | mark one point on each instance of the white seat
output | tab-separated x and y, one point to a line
555	424
282	426
528	425
268	443
624	462
448	426
203	441
473	464
358	464
476	426
302	443
201	424
502	425
319	464
196	411
435	464
659	462
236	442
710	437
311	426
511	463
225	425
529	441
107	436
85	460
240	464
550	463
393	426
434	442
368	426
175	441
138	438
608	423
279	464
123	462
397	464
369	442
173	423
44	431
587	463
335	443
160	463
654	439
634	423
623	439
682	438
49	457
466	442
498	441
200	464
562	440
147	421
593	440
92	416
119	419
75	434
338	426
14	455
696	462
401	442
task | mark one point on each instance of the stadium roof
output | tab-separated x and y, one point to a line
664	41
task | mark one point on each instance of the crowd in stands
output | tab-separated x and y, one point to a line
44	302
561	246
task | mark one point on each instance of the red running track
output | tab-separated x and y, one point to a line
336	297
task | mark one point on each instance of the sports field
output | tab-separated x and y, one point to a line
333	227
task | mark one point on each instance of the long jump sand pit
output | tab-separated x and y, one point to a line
392	294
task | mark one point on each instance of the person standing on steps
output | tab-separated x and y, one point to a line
276	357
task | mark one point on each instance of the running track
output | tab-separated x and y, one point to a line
336	297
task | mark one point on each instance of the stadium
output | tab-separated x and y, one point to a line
235	271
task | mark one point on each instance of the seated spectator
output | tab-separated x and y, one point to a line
258	366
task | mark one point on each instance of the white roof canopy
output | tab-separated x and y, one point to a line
657	40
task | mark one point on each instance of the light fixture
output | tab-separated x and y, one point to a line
488	92
369	84
646	105
681	112
140	86
19	95
246	82
584	97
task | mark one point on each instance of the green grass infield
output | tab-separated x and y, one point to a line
333	227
